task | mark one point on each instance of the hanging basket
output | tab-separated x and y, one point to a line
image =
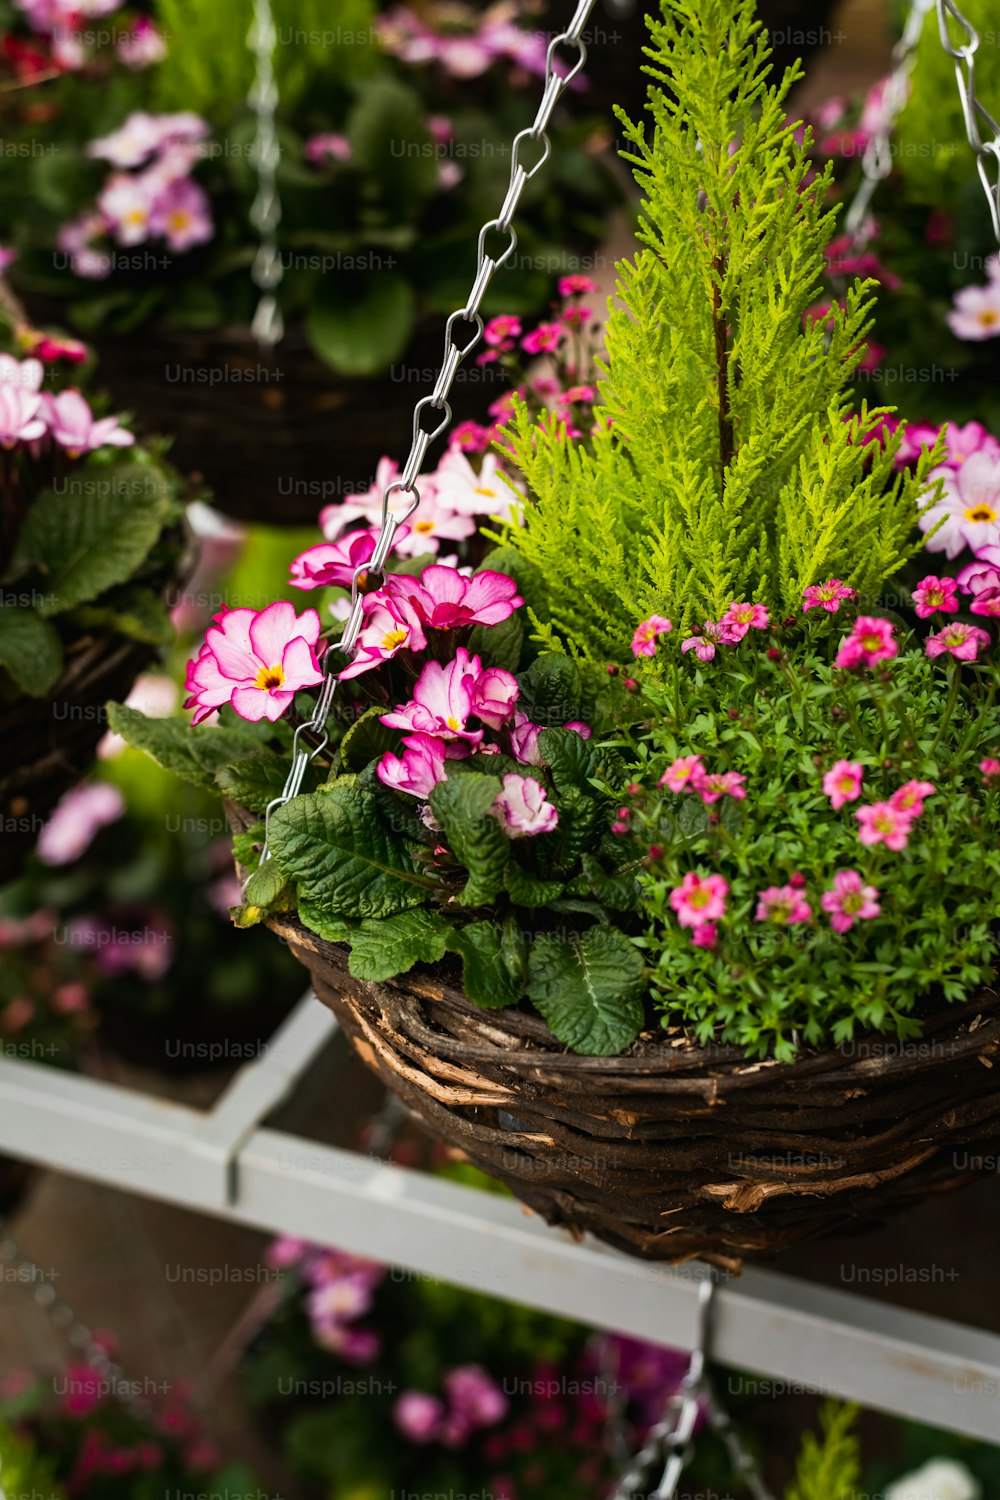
674	1151
275	435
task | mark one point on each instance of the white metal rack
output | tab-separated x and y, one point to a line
226	1163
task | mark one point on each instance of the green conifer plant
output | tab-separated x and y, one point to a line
728	462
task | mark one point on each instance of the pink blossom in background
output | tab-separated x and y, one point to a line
969	507
21	419
443	700
576	317
981	579
933	594
181	214
341	1300
143	46
784	905
285	1252
390	626
16	1015
76	240
871	641
255	661
7	258
683	774
964	642
975	314
648	633
50	347
70	999
828	596
127	204
881	823
990	768
418	1416
132	144
741	617
470	437
524	745
332	564
475	1395
916	436
710	787
576	285
418	770
963	442
432	523
21	374
523	809
459	488
76	821
327	147
73	426
705	936
699	899
543	339
910	797
501	330
444	599
872	357
842	783
849	901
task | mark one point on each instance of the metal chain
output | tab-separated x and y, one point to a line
973	110
876	162
670	1442
532	144
65	1321
265	213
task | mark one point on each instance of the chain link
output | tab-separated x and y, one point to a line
265	213
62	1317
876	162
974	112
457	347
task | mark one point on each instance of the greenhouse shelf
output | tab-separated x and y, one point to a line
223	1162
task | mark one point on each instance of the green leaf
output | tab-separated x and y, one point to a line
265	885
87	543
462	807
389	116
551	691
529	579
30	649
255	781
361	329
344	858
382	949
193	754
323	923
366	740
499	645
136	613
247	847
527	889
486	979
589	989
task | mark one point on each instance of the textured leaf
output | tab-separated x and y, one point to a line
87	543
361	330
136	613
382	949
486	979
30	649
255	781
527	889
323	923
589	989
193	754
367	740
462	807
499	645
551	691
265	885
345	860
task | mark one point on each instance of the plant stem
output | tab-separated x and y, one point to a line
726	443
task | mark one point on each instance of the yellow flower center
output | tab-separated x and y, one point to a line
699	897
136	216
885	822
846	783
483	489
423	526
986	318
269	678
871	642
394	638
852	903
980	512
453	725
179	220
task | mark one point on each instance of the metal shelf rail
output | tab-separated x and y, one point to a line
225	1163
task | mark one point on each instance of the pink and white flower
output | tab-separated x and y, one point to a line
76	240
699	899
494	697
443	702
648	633
719	784
418	770
523	738
73	426
444	599
829	596
910	797
741	617
849	900
523	808
544	339
327	146
76	821
842	783
871	641
881	823
964	642
976	312
964	442
459	488
432	523
683	774
713	633
981	579
418	1416
333	564
142	46
390	626
969	508
127	203
21	416
784	905
133	143
182	215
932	594
257	661
22	374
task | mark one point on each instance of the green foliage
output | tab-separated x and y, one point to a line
727	463
781	725
209	67
381	949
24	1471
360	330
30	650
829	1466
590	989
197	758
462	806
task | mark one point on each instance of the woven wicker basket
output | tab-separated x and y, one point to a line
675	1151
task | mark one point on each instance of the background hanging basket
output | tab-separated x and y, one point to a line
674	1151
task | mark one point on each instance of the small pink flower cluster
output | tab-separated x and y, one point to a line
463	50
162	201
738	619
342	1290
886	823
872	640
472	1402
27	416
688	774
700	904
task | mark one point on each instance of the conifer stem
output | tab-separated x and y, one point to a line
722	368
